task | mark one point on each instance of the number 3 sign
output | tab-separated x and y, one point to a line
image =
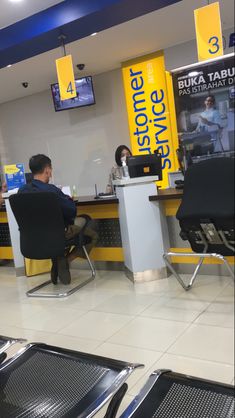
65	75
208	32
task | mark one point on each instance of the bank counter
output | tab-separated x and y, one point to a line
109	252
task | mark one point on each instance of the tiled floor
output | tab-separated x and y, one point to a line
156	323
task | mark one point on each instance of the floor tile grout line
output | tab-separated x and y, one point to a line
199	358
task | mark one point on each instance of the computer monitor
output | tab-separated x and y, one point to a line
145	165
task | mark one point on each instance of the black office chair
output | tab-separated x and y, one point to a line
206	214
173	395
42	234
52	382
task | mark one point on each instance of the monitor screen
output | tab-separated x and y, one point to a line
145	165
85	95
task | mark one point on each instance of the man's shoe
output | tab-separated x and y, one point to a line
63	270
54	271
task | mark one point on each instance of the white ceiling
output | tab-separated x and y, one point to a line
158	30
12	12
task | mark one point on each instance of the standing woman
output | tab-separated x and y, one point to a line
209	119
210	122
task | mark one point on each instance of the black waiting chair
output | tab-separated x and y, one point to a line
206	214
52	382
42	235
173	395
6	342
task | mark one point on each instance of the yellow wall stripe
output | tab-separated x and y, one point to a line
3	218
107	254
6	253
171	206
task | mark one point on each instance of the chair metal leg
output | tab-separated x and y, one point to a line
226	263
33	292
116	402
93	273
202	256
8	342
174	272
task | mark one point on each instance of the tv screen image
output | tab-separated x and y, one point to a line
85	95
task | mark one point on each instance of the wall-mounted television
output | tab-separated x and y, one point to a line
85	95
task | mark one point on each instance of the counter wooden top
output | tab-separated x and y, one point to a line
90	200
85	201
167	194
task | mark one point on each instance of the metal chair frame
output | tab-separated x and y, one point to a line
202	256
137	401
8	342
117	386
33	293
153	378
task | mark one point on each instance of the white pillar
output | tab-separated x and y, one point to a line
142	229
15	240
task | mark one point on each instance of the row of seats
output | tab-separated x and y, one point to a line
51	382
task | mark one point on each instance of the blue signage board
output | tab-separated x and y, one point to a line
15	176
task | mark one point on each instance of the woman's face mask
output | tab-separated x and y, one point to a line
123	158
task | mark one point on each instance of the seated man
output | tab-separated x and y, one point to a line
41	168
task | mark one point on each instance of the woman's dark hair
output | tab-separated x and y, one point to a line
118	154
212	97
38	163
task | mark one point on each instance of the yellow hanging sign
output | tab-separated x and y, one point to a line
65	74
208	32
148	109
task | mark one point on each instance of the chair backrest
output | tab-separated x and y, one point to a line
208	190
41	224
206	214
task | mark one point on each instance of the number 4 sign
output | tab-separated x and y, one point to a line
65	75
208	32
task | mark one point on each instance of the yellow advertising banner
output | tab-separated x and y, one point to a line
208	32
65	74
150	128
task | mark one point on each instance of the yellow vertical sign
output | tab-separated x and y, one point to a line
65	74
208	32
148	109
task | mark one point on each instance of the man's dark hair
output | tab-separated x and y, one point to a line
38	163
